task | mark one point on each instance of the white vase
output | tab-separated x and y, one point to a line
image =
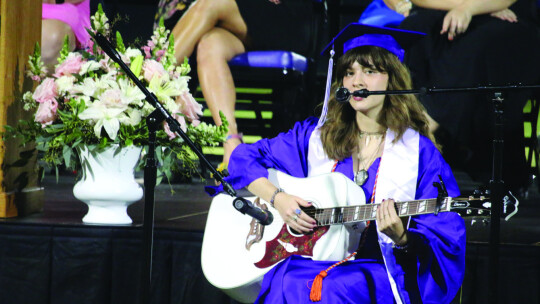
108	184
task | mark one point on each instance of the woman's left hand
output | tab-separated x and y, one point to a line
506	15
389	223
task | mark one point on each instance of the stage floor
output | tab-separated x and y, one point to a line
184	207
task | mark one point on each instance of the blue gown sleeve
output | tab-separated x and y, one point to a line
287	153
438	241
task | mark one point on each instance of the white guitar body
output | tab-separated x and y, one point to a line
230	266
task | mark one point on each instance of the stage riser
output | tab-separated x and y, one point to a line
42	264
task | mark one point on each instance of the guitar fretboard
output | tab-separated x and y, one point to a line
360	213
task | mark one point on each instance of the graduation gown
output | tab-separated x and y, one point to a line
430	272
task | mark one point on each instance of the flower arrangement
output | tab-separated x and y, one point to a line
89	101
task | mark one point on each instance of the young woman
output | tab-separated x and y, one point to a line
383	144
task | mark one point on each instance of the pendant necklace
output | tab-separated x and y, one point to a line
362	174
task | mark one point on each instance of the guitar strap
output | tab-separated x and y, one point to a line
398	176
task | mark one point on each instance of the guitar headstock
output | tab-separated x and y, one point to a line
478	205
475	207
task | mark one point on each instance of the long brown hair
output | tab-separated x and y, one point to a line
399	112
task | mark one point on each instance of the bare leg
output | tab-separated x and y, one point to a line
215	49
201	18
52	39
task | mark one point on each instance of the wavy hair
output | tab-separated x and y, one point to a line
399	112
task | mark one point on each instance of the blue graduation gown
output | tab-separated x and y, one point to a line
431	272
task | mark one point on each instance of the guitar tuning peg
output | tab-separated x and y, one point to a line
473	222
477	192
485	222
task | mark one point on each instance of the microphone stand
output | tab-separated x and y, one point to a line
496	183
154	121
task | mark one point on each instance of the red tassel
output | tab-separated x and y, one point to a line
316	288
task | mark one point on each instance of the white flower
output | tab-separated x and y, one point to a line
132	117
65	84
88	87
113	98
132	93
131	53
104	117
27	97
164	89
89	66
105	82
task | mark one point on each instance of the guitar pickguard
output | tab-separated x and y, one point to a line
286	244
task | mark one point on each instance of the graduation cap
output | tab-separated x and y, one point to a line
356	35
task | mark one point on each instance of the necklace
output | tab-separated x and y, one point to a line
362	175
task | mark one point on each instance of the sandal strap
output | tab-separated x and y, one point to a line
238	136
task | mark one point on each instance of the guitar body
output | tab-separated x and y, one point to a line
237	251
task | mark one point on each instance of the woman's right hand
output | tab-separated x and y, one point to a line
289	209
456	22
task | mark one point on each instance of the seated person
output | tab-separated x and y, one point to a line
472	43
70	18
219	30
383	144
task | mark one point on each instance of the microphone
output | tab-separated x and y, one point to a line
246	207
343	95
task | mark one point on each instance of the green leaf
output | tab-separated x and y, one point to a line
136	65
120	43
67	152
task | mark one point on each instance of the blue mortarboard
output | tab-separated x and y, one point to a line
357	34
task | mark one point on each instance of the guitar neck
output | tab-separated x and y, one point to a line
368	212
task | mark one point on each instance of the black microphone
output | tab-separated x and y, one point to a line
246	207
343	95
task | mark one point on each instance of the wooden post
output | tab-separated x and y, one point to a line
20	29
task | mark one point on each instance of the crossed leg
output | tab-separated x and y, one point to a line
218	32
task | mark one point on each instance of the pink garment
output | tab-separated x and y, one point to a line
77	16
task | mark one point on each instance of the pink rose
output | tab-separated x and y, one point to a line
46	90
183	126
152	68
46	112
190	107
71	65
